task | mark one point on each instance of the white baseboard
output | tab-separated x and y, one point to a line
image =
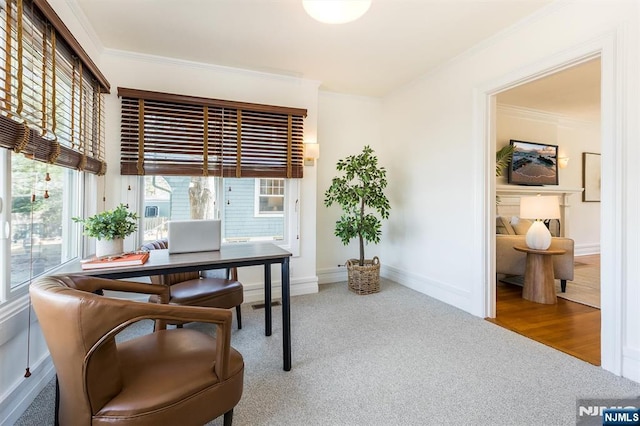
332	275
586	249
631	364
18	399
436	289
254	292
442	291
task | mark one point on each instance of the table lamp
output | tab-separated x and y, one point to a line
539	208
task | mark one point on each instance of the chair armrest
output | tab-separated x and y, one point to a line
130	312
95	285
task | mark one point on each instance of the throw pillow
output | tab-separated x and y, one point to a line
503	226
522	226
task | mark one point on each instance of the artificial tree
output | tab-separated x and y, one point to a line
360	194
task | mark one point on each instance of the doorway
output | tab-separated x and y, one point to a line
563	110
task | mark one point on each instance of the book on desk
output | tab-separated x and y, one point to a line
125	259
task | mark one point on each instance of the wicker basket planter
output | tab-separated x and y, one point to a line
364	279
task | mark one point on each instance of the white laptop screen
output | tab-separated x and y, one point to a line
187	236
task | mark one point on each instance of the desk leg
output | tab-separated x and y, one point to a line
267	299
56	413
286	315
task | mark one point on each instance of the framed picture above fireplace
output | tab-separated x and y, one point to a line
533	163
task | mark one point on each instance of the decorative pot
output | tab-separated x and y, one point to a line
109	247
364	279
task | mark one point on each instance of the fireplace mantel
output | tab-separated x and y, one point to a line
509	201
535	190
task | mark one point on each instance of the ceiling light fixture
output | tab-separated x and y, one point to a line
336	11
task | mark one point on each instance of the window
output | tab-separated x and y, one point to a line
210	158
269	198
51	128
233	200
40	234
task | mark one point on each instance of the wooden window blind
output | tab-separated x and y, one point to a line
51	93
166	134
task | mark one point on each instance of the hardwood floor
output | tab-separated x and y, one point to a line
567	326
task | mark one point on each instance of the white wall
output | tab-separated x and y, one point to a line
345	125
435	139
573	137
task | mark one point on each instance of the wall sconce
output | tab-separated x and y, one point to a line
563	162
311	153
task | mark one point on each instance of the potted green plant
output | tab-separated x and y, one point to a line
110	227
360	194
503	157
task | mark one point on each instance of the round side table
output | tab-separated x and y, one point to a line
539	284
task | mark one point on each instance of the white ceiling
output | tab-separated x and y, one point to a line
573	92
393	44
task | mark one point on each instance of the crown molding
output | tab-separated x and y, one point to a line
163	60
86	25
544	116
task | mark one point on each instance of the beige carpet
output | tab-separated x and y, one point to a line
585	287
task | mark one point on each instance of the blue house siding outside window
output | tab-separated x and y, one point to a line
236	205
240	221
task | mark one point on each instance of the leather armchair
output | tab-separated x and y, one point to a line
513	262
177	376
195	289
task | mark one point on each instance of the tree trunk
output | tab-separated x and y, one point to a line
199	197
360	232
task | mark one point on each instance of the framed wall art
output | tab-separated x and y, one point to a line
533	163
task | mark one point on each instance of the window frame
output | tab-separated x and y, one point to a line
257	194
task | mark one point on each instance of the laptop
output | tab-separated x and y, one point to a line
188	236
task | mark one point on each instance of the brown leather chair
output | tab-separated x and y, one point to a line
194	289
169	377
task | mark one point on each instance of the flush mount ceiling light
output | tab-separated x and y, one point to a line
336	11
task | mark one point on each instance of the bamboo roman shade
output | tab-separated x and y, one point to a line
165	134
51	93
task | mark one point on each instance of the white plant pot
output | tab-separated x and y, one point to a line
109	247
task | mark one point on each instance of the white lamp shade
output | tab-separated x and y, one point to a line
540	207
336	11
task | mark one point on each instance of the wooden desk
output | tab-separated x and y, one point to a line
539	283
229	256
